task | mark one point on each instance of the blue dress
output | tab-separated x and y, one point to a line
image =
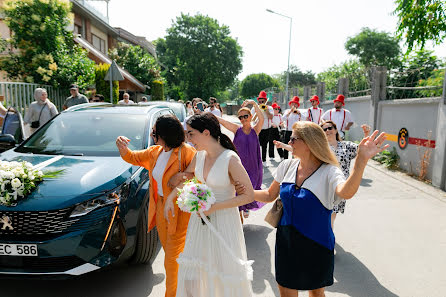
304	239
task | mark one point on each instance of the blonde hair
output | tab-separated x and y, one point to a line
244	109
316	140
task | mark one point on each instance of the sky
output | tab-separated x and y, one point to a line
319	29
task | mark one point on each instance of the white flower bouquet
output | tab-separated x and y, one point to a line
195	197
18	179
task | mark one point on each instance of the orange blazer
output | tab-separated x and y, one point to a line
147	159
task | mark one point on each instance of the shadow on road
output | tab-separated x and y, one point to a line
135	281
354	278
366	182
259	251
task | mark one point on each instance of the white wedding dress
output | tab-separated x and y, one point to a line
207	269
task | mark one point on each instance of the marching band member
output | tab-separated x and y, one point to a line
315	113
291	116
264	134
340	116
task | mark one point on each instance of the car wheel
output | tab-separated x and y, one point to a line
146	243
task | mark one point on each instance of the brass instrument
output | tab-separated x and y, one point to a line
263	106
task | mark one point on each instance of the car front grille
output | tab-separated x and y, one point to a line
36	264
35	225
46	225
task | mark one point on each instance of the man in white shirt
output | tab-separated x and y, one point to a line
213	107
126	100
315	113
290	116
264	134
340	116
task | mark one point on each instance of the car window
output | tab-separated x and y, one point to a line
89	134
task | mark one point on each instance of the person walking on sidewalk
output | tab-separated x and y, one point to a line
246	141
75	98
275	128
40	111
163	162
340	116
309	187
315	112
264	135
291	116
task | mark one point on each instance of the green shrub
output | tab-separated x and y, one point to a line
157	90
103	86
388	159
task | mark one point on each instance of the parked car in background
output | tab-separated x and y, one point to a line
95	213
178	108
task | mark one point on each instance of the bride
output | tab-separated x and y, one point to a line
206	267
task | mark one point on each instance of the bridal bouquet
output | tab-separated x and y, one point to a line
195	197
18	179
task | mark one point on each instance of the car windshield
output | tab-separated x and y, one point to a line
86	134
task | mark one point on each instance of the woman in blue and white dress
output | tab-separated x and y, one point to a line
309	187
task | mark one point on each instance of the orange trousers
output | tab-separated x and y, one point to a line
173	244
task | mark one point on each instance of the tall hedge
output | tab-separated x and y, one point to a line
157	90
103	86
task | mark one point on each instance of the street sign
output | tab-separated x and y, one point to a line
114	72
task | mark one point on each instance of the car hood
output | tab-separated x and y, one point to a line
82	178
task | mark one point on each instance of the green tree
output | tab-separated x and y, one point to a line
103	86
353	70
420	21
200	56
298	78
436	79
231	93
374	48
254	83
418	65
43	50
137	62
157	90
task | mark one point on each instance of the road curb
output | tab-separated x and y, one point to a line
428	189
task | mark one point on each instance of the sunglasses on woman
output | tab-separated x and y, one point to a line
328	128
293	139
245	116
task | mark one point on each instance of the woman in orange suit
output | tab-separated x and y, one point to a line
163	163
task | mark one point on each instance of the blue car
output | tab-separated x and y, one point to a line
95	212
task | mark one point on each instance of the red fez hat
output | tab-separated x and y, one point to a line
295	100
275	105
315	98
262	95
340	98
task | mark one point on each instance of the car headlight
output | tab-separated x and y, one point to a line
90	205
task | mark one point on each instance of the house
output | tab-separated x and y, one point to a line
93	33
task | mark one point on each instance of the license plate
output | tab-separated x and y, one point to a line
9	249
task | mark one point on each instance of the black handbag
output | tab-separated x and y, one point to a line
36	124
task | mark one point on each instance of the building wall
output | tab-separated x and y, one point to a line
100	34
419	117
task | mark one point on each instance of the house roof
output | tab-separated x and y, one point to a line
136	40
105	59
80	8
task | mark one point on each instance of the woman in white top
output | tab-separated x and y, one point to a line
40	111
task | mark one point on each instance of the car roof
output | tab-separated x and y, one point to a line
114	108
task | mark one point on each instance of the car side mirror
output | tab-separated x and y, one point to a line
7	141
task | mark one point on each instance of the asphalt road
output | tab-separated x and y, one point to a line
391	241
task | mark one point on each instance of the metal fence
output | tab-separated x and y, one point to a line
20	95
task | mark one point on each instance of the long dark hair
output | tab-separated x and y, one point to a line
170	130
208	121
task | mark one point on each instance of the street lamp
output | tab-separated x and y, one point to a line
289	49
